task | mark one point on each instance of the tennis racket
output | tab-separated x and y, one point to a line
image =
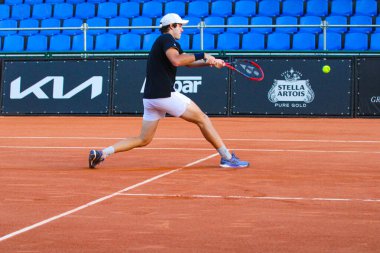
246	68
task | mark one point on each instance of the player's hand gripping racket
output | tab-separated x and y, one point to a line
247	68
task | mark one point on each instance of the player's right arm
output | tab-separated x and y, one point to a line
190	60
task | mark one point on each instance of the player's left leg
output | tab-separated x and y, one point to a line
195	115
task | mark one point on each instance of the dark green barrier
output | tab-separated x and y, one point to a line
56	87
295	86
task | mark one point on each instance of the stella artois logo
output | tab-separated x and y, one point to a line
291	89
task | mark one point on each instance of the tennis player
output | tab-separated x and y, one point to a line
161	98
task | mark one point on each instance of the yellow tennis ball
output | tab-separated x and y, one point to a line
326	69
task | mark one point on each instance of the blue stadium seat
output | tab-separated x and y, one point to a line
60	42
72	22
13	2
192	21
278	41
292	8
221	8
21	11
54	1
356	41
106	42
228	41
310	20
130	42
37	43
5	11
304	41
211	20
245	8
75	1
33	2
337	20
152	9
361	20
13	43
333	41
85	10
253	41
42	11
262	21
118	21
141	21
175	7
96	1
63	11
286	20
366	8
1	44
78	43
50	23
269	8
375	42
341	8
184	41
377	22
129	10
237	20
8	23
28	23
317	8
208	41
148	40
198	9
107	10
92	22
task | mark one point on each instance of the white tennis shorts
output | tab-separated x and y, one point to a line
175	105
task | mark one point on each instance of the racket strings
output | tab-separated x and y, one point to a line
247	69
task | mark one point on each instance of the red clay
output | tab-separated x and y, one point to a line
200	208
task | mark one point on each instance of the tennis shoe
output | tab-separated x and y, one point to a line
95	157
234	162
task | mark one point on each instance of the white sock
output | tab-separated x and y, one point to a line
108	151
223	152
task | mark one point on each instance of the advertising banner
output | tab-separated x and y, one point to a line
208	87
295	87
56	87
368	91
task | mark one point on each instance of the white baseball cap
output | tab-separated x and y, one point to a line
172	18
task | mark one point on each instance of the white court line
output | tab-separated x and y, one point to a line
38	224
206	149
201	196
191	139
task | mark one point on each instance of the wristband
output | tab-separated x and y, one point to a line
199	56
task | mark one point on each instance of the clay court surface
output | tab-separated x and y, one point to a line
313	186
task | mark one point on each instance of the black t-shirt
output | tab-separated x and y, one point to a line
160	73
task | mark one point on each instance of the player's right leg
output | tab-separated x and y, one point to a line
148	130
